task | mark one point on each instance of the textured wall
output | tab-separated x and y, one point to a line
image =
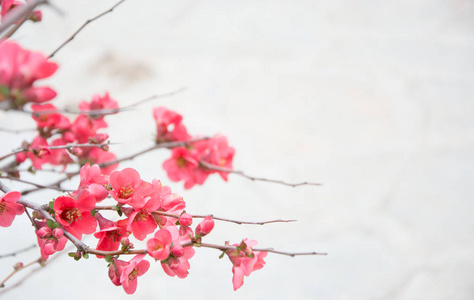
371	98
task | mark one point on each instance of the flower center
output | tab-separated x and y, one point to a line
133	274
181	162
142	215
71	215
126	191
3	208
114	235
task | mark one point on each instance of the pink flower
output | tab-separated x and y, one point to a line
205	227
169	126
185	219
48	118
184	165
217	152
124	185
98	103
93	181
75	215
115	270
110	234
9	208
245	261
159	246
141	223
177	264
136	267
19	69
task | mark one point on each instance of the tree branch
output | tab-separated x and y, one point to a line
209	166
18	251
84	25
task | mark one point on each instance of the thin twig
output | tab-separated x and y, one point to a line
35	184
18	251
154	147
107	111
19	282
84	25
209	166
19	268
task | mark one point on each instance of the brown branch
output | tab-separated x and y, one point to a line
35	184
18	251
129	157
19	13
17	269
193	243
107	111
43	264
154	147
209	166
84	25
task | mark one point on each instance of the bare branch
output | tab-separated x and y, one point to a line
18	251
16	269
84	25
34	183
209	166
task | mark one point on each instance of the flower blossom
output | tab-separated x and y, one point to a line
75	215
9	208
245	261
130	272
19	69
169	126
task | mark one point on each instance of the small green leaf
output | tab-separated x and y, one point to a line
55	225
108	258
222	255
51	205
86	255
71	254
93	212
120	213
50	224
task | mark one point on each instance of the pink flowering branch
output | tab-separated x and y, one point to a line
68	147
20	12
197	244
18	251
107	111
83	26
78	243
162	213
253	178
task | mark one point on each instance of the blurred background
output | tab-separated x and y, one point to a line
370	98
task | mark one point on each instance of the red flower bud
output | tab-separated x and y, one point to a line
205	227
44	232
185	220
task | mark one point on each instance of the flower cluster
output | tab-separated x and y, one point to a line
148	211
19	69
192	164
55	129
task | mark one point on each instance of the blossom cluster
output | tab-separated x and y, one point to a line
56	129
148	211
192	164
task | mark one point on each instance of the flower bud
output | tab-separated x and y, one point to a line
58	233
185	220
125	241
18	265
99	138
205	227
76	151
44	232
36	16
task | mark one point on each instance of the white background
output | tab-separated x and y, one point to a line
371	98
